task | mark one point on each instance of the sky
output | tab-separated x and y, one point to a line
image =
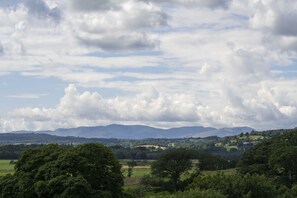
162	63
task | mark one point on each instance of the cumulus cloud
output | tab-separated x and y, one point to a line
148	106
36	8
121	29
262	106
277	17
132	16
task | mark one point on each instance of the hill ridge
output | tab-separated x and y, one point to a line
142	131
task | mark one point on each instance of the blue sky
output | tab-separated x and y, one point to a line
162	63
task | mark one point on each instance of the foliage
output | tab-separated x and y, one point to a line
173	164
276	158
235	186
88	170
131	165
208	161
199	194
144	192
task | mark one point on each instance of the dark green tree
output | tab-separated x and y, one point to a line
283	162
88	170
238	185
276	158
173	164
131	165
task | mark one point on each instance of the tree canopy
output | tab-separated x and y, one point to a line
88	170
276	158
173	164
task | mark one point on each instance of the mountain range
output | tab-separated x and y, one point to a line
142	132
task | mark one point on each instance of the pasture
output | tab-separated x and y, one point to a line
142	168
6	167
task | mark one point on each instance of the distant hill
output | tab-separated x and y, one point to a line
38	138
142	132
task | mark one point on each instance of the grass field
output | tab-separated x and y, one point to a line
138	173
6	167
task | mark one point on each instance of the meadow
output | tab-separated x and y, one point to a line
6	167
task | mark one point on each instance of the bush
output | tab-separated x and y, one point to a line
234	186
199	194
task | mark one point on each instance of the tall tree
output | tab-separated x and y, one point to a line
88	170
173	164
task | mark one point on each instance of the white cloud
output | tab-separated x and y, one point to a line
278	17
258	105
123	29
91	108
211	66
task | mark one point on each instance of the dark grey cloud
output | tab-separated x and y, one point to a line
279	18
212	4
119	42
1	49
94	5
286	24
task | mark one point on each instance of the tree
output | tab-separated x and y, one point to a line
173	164
88	170
208	161
275	158
238	185
284	163
131	165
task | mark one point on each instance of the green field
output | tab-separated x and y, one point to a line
138	173
6	167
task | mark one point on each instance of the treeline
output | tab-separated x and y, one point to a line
275	158
14	151
137	153
91	170
39	138
269	170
